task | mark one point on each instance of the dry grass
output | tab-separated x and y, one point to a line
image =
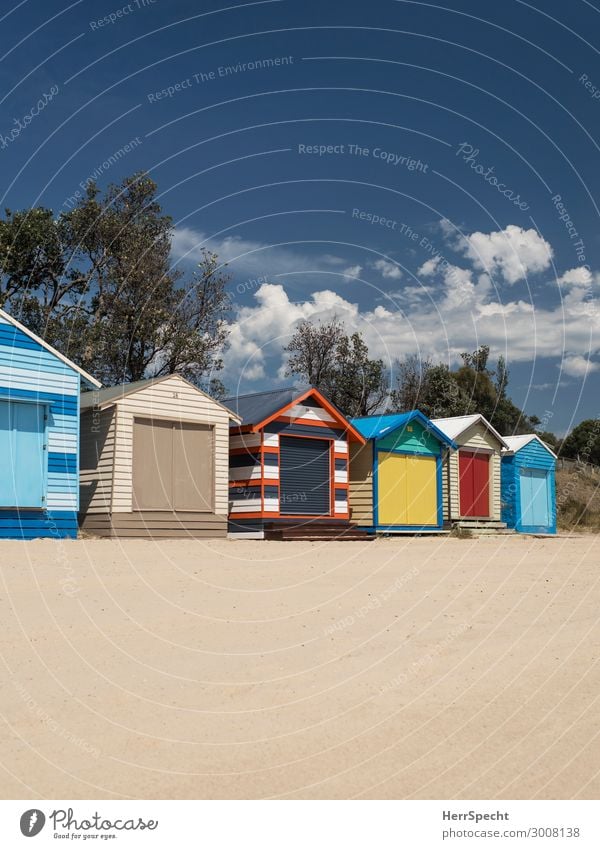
578	500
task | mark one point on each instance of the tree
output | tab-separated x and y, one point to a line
97	282
411	378
583	443
502	374
432	389
478	359
339	366
312	351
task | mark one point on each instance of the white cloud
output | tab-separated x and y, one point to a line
248	257
353	271
579	276
389	270
577	365
512	253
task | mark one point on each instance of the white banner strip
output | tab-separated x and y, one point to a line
302	824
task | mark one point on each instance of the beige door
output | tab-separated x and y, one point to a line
172	466
193	467
152	465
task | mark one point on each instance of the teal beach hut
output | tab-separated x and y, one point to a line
39	435
528	492
396	480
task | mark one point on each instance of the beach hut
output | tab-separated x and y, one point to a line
396	477
288	465
528	485
39	428
154	459
472	474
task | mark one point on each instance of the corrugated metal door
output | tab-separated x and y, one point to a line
407	490
23	453
535	502
304	476
474	483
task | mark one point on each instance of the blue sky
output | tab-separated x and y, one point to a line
427	173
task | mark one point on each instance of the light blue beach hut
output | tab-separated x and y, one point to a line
39	435
528	491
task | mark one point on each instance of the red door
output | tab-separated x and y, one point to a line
474	483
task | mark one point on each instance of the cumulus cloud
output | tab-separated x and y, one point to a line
353	271
466	315
389	270
577	365
512	253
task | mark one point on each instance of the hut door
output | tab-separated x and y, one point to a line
172	466
474	483
535	509
305	481
152	465
23	452
407	490
193	467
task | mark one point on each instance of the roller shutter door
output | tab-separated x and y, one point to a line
305	476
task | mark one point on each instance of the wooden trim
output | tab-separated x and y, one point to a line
312	392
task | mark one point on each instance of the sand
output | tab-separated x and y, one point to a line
402	668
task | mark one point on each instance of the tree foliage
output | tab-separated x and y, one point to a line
97	282
583	443
338	365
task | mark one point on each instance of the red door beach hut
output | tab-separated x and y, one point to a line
288	464
472	478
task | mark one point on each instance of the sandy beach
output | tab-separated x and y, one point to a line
401	668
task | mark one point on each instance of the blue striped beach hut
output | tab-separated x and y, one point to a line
528	491
39	435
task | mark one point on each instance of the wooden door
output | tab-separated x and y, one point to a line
193	481
24	454
535	498
406	490
474	483
152	465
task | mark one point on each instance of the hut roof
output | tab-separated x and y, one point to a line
113	394
91	381
455	425
259	408
374	427
515	443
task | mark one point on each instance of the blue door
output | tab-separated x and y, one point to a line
23	454
535	500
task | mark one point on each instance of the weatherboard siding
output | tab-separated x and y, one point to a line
107	463
29	372
254	474
531	456
360	489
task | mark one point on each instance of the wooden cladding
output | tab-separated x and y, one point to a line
173	466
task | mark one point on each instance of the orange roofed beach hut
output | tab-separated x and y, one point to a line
288	466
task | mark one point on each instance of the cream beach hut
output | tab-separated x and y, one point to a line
154	460
472	476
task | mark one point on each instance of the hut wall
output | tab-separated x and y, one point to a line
32	374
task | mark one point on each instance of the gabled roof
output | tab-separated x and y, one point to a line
375	427
454	426
515	443
113	394
91	381
259	408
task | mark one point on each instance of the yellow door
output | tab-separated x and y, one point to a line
407	490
